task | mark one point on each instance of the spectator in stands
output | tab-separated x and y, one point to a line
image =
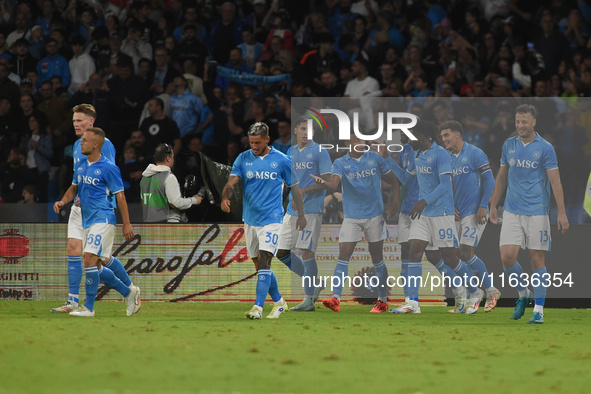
115	54
81	65
134	47
258	110
53	64
195	144
22	61
44	19
54	108
86	24
14	176
165	97
4	53
131	174
284	103
9	130
8	89
362	87
27	87
194	82
360	32
324	58
236	63
158	128
256	20
163	73
38	155
28	110
281	29
21	31
383	35
95	91
417	86
272	54
29	195
186	107
62	46
283	143
551	44
36	42
232	152
329	85
225	33
143	69
190	15
137	139
252	50
191	48
129	93
141	18
100	49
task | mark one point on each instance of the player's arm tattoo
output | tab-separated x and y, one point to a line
228	191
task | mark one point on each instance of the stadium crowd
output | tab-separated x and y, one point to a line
149	68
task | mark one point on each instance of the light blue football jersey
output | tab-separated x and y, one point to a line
312	160
97	183
528	187
428	166
411	189
362	184
108	151
467	168
262	185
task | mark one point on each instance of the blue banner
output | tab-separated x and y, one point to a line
253	79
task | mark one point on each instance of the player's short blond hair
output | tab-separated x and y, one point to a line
86	109
99	133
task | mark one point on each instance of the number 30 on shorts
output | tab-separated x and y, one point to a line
271	238
94	240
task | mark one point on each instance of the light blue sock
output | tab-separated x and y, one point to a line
479	270
446	271
404	274
74	277
540	289
117	267
274	288
108	278
381	271
415	274
91	285
341	271
463	271
294	263
263	284
310	271
516	271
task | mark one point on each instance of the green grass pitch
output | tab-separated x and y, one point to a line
212	347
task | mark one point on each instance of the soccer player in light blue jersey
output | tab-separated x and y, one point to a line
411	196
473	186
263	171
95	179
432	217
528	169
360	173
83	118
307	158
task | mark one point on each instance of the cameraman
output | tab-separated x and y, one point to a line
160	191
